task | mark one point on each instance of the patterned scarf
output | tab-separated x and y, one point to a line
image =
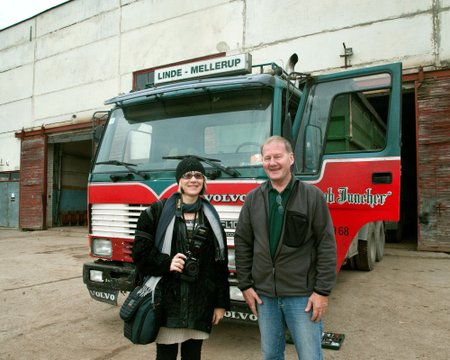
166	223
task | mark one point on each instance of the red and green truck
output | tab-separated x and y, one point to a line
344	128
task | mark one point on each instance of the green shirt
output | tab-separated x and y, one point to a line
276	214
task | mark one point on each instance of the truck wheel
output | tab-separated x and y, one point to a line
367	251
349	264
380	239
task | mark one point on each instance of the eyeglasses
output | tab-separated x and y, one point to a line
190	175
280	204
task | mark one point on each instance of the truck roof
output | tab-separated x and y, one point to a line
232	81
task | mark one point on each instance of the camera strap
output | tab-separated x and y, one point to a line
190	226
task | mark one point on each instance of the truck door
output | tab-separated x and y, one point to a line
347	142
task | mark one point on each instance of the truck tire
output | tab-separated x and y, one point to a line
367	251
380	237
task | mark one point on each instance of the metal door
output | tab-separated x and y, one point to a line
9	204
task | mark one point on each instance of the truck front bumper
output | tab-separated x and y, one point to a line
104	279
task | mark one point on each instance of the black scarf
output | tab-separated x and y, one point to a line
191	208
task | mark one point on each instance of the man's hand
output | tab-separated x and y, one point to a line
318	304
251	298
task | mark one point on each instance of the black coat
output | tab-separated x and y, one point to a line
186	304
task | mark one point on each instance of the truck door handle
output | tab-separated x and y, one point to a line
382	178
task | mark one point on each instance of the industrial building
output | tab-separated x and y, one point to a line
58	68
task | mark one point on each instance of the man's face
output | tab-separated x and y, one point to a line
277	161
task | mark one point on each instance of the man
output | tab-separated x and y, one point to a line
286	256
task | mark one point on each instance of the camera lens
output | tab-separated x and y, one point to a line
191	268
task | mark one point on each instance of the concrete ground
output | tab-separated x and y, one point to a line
401	310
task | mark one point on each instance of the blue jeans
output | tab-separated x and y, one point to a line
274	314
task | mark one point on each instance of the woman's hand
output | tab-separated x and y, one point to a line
177	263
218	315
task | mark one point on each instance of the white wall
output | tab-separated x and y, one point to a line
70	59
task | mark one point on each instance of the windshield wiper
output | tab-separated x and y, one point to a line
213	162
128	166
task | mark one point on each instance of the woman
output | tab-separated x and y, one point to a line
194	281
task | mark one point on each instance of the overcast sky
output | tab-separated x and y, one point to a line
14	11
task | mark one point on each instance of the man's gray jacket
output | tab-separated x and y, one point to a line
305	259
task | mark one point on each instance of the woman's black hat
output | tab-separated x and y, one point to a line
186	165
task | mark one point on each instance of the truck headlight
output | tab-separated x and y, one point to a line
96	276
101	247
236	294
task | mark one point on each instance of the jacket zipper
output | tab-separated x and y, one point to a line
274	281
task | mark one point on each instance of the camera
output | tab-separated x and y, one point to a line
192	262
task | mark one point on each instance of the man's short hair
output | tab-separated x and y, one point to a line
274	138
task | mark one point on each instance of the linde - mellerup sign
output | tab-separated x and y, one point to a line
237	64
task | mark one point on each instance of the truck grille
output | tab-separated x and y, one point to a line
229	216
115	220
119	221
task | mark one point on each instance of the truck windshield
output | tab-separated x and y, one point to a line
228	126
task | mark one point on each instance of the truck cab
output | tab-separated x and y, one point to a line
344	128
